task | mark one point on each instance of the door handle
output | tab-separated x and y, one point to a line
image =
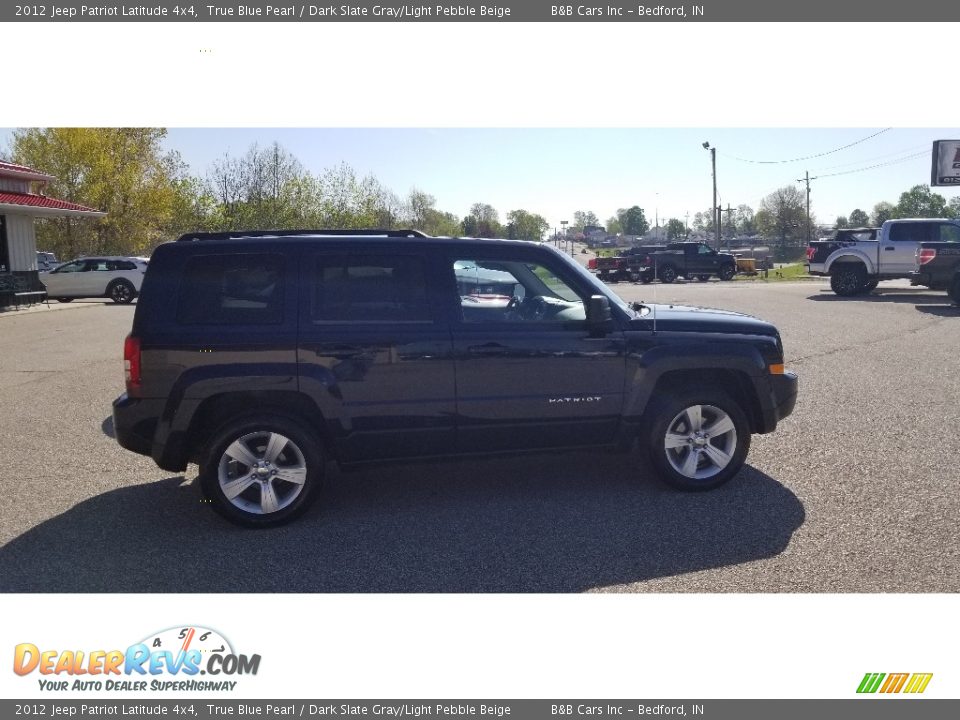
489	350
889	248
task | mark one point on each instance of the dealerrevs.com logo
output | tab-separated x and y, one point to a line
171	660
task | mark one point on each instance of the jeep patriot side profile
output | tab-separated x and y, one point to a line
258	355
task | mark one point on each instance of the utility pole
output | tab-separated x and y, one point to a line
728	211
716	214
806	180
686	225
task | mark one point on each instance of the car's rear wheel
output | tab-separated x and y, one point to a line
954	291
699	439
667	274
122	292
703	278
848	280
64	300
262	471
870	286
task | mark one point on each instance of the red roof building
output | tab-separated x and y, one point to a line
21	200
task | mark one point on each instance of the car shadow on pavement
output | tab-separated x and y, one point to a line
581	522
889	295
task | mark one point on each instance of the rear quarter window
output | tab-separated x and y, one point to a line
244	289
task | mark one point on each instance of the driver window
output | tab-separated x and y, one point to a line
704	250
75	266
514	291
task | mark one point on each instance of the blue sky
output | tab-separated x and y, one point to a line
555	172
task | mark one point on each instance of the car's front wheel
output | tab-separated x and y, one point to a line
262	471
727	272
698	439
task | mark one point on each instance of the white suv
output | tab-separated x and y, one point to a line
117	278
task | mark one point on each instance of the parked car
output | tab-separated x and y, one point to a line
46	261
858	259
689	259
938	265
117	278
259	355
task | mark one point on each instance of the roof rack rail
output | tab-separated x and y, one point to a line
234	234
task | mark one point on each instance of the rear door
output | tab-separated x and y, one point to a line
374	351
529	373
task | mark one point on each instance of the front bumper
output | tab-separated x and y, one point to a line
784	392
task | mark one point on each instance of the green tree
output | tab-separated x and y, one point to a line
633	221
953	207
582	219
483	221
882	212
743	220
613	226
675	229
523	225
858	218
785	216
919	201
123	171
841	222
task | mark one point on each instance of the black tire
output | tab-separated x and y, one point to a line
848	280
64	300
634	276
870	286
300	455
727	272
121	292
703	278
668	418
667	274
954	291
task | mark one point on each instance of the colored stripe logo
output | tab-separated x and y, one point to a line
913	683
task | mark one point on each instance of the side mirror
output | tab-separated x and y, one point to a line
598	315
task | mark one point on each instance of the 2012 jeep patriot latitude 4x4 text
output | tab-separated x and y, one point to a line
258	355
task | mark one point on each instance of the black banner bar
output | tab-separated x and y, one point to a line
852	11
867	708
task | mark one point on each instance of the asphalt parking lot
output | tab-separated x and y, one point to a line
856	492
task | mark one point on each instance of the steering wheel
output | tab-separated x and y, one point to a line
513	308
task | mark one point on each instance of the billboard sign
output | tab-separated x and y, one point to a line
946	164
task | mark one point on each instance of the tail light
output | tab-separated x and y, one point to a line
592	263
810	253
131	364
926	255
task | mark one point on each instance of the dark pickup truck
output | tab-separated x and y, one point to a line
689	259
938	268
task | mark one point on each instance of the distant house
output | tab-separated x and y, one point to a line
22	200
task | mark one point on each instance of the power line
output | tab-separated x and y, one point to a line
808	157
871	159
872	167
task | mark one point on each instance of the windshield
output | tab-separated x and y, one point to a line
592	282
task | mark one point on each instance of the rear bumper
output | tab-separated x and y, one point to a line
926	279
134	423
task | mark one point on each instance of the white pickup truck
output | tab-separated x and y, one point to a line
857	259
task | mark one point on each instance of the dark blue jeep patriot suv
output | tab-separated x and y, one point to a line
259	355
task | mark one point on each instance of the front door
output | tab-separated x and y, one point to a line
529	372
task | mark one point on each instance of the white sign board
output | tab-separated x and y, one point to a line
946	163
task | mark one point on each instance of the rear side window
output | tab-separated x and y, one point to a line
241	289
912	232
949	233
358	289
